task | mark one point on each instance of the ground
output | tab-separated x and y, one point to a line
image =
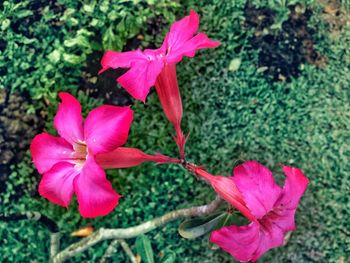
286	101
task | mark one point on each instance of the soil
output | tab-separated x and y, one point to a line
336	17
282	52
105	86
17	129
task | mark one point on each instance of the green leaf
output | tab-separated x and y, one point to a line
24	13
234	64
169	257
54	56
144	249
73	59
231	219
197	227
89	8
5	24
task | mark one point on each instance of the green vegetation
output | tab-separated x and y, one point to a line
45	44
232	110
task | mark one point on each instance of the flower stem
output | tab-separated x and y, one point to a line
132	232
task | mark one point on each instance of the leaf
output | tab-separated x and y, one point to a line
89	8
194	228
234	64
73	59
169	257
83	232
5	24
144	249
24	13
77	41
54	56
231	219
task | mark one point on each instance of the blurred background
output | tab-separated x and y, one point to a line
277	90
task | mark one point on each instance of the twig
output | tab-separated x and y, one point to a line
54	243
131	232
128	251
110	250
113	246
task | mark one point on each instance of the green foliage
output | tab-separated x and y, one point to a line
169	257
144	249
232	116
304	123
44	45
21	180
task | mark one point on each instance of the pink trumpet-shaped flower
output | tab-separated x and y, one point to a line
68	163
273	208
158	67
147	65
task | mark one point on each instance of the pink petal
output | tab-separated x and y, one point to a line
107	127
294	187
180	42
270	237
190	47
248	243
283	218
68	120
257	186
112	59
57	184
227	189
141	77
286	205
95	194
182	30
48	150
241	242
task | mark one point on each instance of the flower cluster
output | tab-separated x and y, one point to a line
74	162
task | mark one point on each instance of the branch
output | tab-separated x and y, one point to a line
131	232
128	251
110	250
54	243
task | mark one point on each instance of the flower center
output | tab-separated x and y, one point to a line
156	56
268	219
80	154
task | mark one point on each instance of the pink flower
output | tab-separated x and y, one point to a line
68	162
157	67
147	65
273	208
